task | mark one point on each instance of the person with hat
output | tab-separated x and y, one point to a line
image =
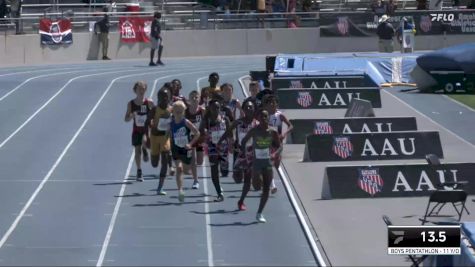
385	32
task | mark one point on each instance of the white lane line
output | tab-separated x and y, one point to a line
107	239
209	235
298	211
105	245
431	120
459	103
45	75
55	165
51	99
34	71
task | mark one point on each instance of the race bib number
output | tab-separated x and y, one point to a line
163	124
140	120
262	153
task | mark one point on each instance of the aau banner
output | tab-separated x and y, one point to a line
427	23
133	30
55	32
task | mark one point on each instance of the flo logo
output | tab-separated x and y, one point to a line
442	17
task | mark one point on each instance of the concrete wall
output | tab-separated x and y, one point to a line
26	49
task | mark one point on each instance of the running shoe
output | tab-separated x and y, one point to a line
181	196
220	198
151	64
139	175
241	206
145	154
260	218
273	190
160	63
161	192
196	185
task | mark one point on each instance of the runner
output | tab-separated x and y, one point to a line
194	113
171	168
181	145
263	138
234	106
230	101
176	88
160	136
242	166
138	109
225	112
276	117
254	90
214	126
207	92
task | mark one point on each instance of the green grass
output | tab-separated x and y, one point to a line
468	100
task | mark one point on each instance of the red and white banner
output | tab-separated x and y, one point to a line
133	30
55	32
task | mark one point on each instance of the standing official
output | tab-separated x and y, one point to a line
103	25
156	40
385	32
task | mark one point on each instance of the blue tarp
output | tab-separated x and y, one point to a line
454	58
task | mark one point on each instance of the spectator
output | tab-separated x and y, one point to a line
385	32
3	10
15	14
391	7
379	8
421	4
294	22
307	5
103	26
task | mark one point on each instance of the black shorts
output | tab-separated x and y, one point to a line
182	154
137	138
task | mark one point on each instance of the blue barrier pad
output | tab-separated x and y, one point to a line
378	66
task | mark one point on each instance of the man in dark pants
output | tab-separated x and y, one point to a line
156	40
103	26
385	32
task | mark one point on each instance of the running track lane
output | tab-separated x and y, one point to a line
50	205
72	207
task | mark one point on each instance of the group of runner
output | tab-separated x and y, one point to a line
179	131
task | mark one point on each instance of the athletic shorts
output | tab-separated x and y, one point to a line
137	138
182	154
261	164
159	144
214	150
155	43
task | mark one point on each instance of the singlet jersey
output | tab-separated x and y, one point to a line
242	129
180	133
216	130
178	98
275	121
232	105
163	119
141	112
262	145
196	117
209	92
